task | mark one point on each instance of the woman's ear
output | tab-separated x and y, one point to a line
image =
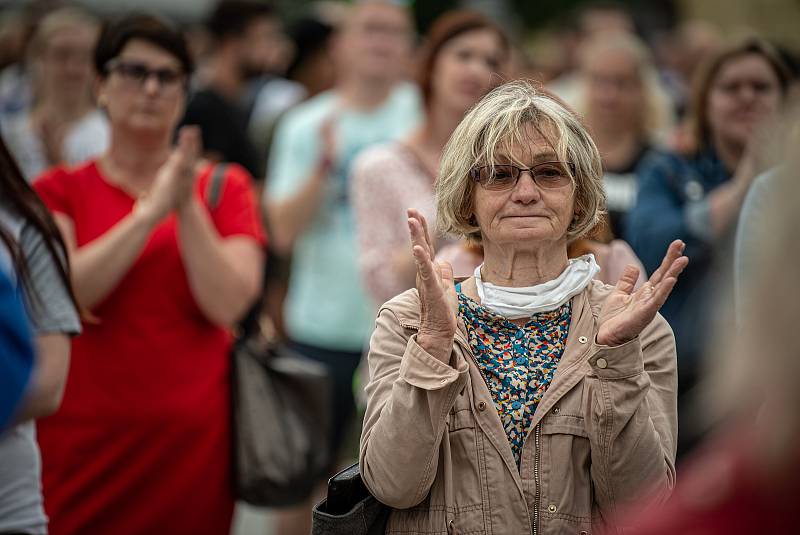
99	92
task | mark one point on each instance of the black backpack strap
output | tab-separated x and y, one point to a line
214	188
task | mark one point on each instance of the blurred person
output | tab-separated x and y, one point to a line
63	124
16	351
680	52
529	382
32	253
142	441
307	197
591	20
243	33
696	197
465	54
753	229
309	73
743	478
626	110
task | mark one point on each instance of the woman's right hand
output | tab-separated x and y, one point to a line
174	180
437	292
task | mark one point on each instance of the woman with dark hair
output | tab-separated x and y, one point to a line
32	254
463	54
696	197
165	259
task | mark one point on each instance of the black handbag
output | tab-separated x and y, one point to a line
349	508
281	423
281	418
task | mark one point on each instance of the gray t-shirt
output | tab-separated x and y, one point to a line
21	507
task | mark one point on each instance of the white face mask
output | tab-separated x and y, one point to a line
517	303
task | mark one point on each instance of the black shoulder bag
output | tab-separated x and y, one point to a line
280	419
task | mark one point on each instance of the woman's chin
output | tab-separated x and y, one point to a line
529	234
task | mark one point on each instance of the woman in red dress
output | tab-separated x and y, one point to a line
141	443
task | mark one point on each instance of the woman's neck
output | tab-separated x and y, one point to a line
362	94
514	267
133	159
729	153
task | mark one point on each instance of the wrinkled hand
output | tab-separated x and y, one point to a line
626	313
173	185
437	292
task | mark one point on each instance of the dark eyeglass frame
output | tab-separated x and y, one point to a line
516	173
140	73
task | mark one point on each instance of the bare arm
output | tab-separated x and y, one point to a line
49	377
98	267
290	217
224	274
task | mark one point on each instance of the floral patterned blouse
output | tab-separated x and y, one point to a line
518	363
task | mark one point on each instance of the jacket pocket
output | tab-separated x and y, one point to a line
566	499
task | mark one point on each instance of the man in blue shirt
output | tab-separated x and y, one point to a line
327	313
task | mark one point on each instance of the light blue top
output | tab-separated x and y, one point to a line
327	305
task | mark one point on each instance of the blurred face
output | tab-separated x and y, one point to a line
744	92
260	47
462	72
145	89
65	63
527	212
375	41
614	93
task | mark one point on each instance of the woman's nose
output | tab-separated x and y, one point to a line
151	85
526	190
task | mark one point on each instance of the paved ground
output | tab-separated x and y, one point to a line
249	520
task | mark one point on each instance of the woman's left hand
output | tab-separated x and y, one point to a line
626	313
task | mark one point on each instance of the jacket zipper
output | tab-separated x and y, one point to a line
538	496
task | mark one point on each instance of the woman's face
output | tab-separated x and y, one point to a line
527	212
744	92
462	71
145	89
65	63
614	93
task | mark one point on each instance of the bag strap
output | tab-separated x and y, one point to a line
214	188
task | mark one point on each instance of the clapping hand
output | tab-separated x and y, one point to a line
173	185
625	312
437	292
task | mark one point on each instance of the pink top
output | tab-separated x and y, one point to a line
386	181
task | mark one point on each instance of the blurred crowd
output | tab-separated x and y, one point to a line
136	263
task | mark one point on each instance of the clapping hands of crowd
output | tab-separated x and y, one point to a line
437	292
173	186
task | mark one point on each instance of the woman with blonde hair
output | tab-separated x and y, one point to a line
626	110
527	398
63	124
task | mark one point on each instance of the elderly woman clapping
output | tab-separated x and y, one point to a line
528	398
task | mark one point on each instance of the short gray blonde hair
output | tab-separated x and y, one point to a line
498	120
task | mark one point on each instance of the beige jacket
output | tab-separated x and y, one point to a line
433	447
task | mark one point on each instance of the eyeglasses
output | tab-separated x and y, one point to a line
500	177
139	73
